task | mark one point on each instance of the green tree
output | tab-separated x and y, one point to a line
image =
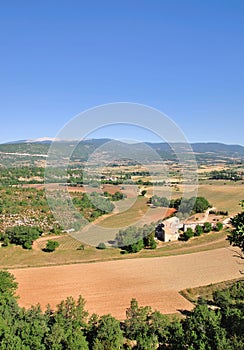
203	331
8	285
143	192
198	230
149	241
108	334
201	204
188	234
51	246
101	246
236	237
138	327
207	227
23	235
218	226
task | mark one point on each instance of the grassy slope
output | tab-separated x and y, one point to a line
67	252
220	195
206	292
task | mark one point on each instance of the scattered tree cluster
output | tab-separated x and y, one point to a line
182	205
21	235
200	229
219	212
133	239
70	327
93	205
117	196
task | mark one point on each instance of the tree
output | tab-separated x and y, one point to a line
101	246
202	330
218	226
143	192
137	327
108	334
188	234
236	237
51	246
159	201
23	235
198	230
201	204
207	227
149	241
132	238
8	285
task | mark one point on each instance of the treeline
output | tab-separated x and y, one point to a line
183	205
117	196
20	235
70	327
200	229
225	175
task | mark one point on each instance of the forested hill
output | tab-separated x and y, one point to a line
31	151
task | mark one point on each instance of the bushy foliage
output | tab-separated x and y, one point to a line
159	201
101	246
230	175
70	327
207	227
189	233
51	246
133	239
218	226
187	206
93	205
198	230
22	235
236	237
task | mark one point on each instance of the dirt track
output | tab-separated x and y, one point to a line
109	286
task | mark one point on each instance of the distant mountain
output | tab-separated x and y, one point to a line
32	151
220	149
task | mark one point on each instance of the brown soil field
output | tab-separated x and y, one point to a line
109	286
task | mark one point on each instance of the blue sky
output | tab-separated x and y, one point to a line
185	58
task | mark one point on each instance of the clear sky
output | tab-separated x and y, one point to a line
183	57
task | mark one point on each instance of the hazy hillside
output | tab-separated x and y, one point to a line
32	152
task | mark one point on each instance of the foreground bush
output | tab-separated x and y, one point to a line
70	327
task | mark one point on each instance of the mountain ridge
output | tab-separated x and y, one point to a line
203	151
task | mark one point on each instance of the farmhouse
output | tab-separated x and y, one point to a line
168	230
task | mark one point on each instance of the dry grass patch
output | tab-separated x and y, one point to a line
128	217
206	292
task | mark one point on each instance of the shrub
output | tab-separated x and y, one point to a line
23	235
101	246
198	230
218	226
207	227
188	234
51	246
